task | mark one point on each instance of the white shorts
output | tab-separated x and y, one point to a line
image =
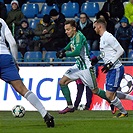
87	76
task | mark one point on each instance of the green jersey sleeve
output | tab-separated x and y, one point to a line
75	46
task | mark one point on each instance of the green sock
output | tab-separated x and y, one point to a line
101	93
66	93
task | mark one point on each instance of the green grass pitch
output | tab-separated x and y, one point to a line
77	122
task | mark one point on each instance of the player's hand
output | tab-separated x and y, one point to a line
107	67
94	60
61	54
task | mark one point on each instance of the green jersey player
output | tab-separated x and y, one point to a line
82	69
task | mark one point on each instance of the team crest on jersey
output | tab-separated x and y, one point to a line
68	71
102	54
72	47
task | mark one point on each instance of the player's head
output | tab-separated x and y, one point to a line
100	25
70	28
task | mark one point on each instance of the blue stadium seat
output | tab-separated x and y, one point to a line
33	23
70	60
50	56
36	1
130	55
90	8
20	57
96	53
46	9
33	56
8	7
70	9
58	62
30	10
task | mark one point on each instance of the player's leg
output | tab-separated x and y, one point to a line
66	92
117	103
89	95
89	79
80	89
9	73
69	76
122	95
101	93
113	79
32	98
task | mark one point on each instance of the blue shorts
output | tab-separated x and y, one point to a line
113	78
8	70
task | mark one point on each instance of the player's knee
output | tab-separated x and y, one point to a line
61	82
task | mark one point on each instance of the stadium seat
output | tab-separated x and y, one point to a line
70	9
130	55
8	7
90	8
33	56
36	1
58	62
96	53
20	57
69	61
33	23
30	10
50	56
46	9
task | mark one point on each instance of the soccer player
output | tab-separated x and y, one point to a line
82	69
111	51
9	72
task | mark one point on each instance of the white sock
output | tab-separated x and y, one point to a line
122	95
116	102
129	97
70	106
31	97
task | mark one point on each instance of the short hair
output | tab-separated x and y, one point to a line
71	22
101	21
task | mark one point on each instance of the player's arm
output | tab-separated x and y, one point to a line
78	46
119	51
65	53
76	51
10	39
13	46
117	47
118	54
67	47
61	53
94	59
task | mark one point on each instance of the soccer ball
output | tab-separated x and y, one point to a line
126	84
81	107
18	111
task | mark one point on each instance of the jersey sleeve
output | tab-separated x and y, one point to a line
116	46
10	39
78	42
6	30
